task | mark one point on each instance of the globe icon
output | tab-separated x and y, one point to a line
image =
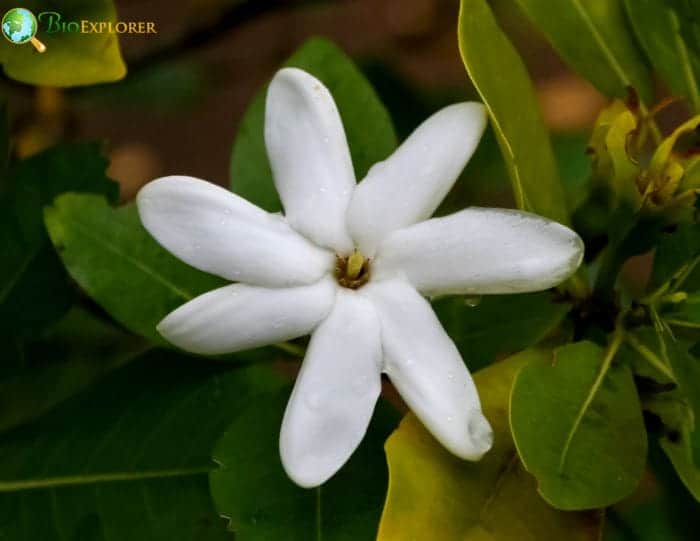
19	25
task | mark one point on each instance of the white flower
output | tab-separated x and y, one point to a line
350	263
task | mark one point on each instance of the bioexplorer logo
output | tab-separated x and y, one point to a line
20	26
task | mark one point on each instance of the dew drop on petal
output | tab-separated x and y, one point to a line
480	431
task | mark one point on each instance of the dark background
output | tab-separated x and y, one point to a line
178	108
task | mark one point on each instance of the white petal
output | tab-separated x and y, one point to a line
335	393
408	186
427	370
481	251
309	156
216	231
239	316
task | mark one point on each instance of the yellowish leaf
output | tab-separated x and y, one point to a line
435	495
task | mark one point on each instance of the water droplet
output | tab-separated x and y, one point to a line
450	376
450	418
409	362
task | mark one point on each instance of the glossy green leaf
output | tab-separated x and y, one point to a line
128	460
252	490
73	354
498	325
71	58
510	99
435	495
34	288
594	38
658	27
112	257
577	423
368	128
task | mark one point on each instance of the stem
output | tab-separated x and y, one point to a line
681	323
649	356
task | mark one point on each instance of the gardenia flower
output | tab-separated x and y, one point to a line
350	264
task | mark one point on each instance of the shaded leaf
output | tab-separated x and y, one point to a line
34	288
71	58
129	460
499	324
594	39
657	25
686	370
251	488
368	128
435	495
674	401
512	104
577	423
674	251
112	257
73	354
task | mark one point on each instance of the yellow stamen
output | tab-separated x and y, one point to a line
354	265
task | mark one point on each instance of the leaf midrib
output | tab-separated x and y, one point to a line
685	60
82	228
111	477
600	376
607	53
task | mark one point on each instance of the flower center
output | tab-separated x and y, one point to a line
352	271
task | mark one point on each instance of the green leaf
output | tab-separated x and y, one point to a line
658	26
675	251
594	39
499	324
510	99
435	495
34	288
251	488
112	257
73	354
680	450
686	370
128	460
577	423
71	58
368	128
676	402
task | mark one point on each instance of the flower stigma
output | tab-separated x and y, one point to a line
352	271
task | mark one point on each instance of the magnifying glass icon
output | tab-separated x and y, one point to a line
19	26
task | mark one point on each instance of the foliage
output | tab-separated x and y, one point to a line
434	495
